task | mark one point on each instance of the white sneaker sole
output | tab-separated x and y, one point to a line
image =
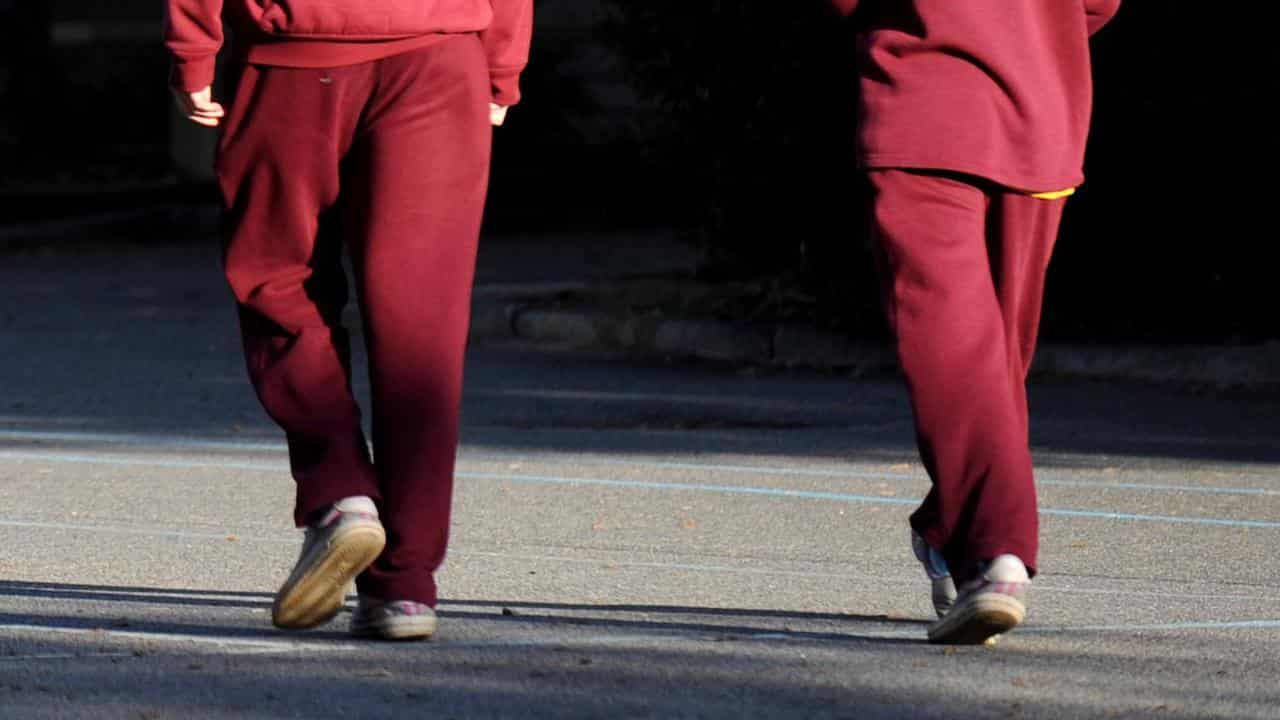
976	620
402	628
316	596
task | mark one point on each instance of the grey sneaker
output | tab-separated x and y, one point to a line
395	620
335	550
935	566
989	605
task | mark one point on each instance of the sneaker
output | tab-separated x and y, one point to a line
991	604
935	566
395	620
335	550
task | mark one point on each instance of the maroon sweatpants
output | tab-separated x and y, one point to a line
963	266
391	159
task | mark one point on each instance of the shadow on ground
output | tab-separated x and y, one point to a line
728	663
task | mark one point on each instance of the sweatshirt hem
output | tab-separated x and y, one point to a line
1012	181
312	53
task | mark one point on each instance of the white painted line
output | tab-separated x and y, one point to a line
1158	594
855	631
834	473
109	461
631	639
1158	627
133	461
1051	480
236	645
144	595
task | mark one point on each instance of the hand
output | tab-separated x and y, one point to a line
497	114
199	107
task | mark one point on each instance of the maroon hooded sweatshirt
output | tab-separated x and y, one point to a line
1001	89
324	33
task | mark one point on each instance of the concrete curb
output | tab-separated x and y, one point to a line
1254	367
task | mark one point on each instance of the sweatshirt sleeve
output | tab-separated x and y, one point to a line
506	43
193	34
1099	12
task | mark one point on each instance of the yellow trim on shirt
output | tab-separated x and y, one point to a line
1055	195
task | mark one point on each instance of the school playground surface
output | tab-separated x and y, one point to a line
630	540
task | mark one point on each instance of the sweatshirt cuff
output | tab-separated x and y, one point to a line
192	75
506	86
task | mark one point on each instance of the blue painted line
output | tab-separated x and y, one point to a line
642	485
1043	478
695	487
845	497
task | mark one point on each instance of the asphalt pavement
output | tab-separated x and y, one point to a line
632	537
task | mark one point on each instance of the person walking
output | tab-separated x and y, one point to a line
366	125
973	119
